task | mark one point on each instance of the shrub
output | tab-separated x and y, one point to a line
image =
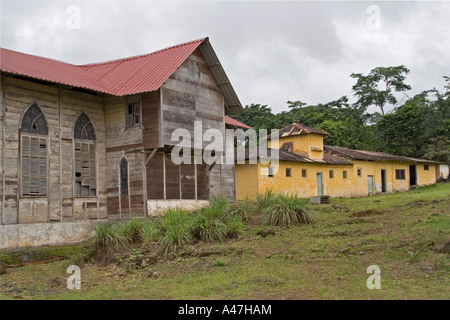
233	227
107	241
132	229
173	230
217	222
208	226
149	231
262	199
286	210
242	209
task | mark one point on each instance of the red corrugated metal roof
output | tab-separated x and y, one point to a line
234	122
49	70
141	73
118	77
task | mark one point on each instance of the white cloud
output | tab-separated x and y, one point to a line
271	51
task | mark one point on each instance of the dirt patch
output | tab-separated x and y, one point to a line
445	248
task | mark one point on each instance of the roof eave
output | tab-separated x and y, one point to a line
232	103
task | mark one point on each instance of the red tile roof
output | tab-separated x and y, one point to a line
143	73
234	122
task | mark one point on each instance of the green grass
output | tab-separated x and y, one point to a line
402	233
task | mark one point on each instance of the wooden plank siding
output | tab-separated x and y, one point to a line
61	108
185	101
124	142
151	120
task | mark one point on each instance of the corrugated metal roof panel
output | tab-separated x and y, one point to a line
141	73
138	74
48	70
372	155
234	122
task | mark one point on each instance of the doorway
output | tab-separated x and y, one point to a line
319	184
383	181
370	184
412	175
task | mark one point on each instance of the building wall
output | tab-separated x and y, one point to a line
2	112
307	186
253	179
247	185
426	177
187	98
123	142
61	108
309	145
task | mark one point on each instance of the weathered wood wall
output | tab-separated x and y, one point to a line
151	119
185	100
2	113
61	108
188	96
222	180
124	142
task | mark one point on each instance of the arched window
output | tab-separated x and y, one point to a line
33	155
85	155
123	176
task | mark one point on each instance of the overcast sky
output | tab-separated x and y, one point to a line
272	51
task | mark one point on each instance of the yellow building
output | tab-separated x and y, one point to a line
309	168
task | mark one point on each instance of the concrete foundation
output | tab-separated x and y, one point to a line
157	207
45	234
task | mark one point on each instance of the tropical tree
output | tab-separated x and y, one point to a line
378	87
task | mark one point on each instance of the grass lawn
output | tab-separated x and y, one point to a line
402	233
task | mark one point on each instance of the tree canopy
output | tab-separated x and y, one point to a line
415	127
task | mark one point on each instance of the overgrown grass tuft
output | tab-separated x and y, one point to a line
108	240
173	230
262	199
242	209
214	223
132	229
285	210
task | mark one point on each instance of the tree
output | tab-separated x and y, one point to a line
257	116
447	87
369	91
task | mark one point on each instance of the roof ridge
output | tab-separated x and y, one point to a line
119	60
40	57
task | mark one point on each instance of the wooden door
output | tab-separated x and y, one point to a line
319	184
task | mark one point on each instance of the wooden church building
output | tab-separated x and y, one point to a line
80	143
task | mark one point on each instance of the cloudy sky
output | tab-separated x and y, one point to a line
272	51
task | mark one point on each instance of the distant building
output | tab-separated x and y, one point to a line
309	168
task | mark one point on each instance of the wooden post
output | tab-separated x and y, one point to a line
195	179
3	86
164	174
60	158
144	182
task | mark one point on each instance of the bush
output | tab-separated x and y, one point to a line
262	199
233	227
149	231
242	209
132	229
173	230
107	241
285	210
216	222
